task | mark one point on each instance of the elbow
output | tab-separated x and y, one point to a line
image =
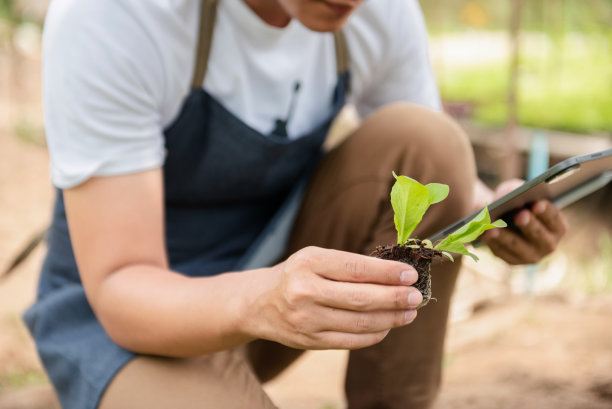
138	339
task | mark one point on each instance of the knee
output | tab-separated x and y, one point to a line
430	147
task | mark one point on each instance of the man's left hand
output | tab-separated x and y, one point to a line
539	229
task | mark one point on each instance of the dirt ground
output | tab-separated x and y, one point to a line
549	350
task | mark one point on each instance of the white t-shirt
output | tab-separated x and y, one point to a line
116	73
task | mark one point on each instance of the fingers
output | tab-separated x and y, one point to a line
368	297
351	322
539	231
332	328
334	299
339	340
304	287
349	267
511	247
536	233
543	227
369	322
551	217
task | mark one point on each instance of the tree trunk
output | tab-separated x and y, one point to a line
511	163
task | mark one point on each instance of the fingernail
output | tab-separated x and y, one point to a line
540	207
408	276
523	219
415	299
410	315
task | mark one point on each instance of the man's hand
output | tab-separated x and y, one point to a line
329	299
540	228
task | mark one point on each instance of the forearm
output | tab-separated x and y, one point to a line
316	299
482	195
150	310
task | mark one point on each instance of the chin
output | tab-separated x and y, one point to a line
324	25
323	16
328	28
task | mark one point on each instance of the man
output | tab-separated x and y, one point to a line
154	292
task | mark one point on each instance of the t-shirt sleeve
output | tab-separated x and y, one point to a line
102	90
404	72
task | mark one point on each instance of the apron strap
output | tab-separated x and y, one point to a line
208	12
342	52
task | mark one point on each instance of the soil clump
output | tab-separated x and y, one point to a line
418	255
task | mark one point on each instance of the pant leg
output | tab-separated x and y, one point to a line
222	381
268	359
348	207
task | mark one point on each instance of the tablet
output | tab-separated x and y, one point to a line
562	184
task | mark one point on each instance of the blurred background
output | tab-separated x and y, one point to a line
531	83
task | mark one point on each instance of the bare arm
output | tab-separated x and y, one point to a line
316	299
116	225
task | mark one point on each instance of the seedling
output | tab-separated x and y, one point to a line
410	200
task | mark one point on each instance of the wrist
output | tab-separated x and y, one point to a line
482	195
252	307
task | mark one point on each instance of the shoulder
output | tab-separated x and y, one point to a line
386	32
118	23
388	43
93	44
135	46
103	9
106	70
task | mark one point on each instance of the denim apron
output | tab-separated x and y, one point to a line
231	194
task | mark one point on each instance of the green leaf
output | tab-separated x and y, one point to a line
427	244
474	256
481	218
459	248
437	192
455	247
449	255
410	201
469	232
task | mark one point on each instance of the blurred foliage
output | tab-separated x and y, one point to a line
20	378
592	273
22	11
565	54
9	11
565	15
575	97
19	16
9	19
30	130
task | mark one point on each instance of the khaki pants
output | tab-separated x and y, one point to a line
347	207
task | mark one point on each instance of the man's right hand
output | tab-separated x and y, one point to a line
329	299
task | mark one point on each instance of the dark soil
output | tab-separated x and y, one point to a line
418	256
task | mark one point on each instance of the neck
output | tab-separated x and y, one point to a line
270	11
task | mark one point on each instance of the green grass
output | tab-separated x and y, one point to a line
569	90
